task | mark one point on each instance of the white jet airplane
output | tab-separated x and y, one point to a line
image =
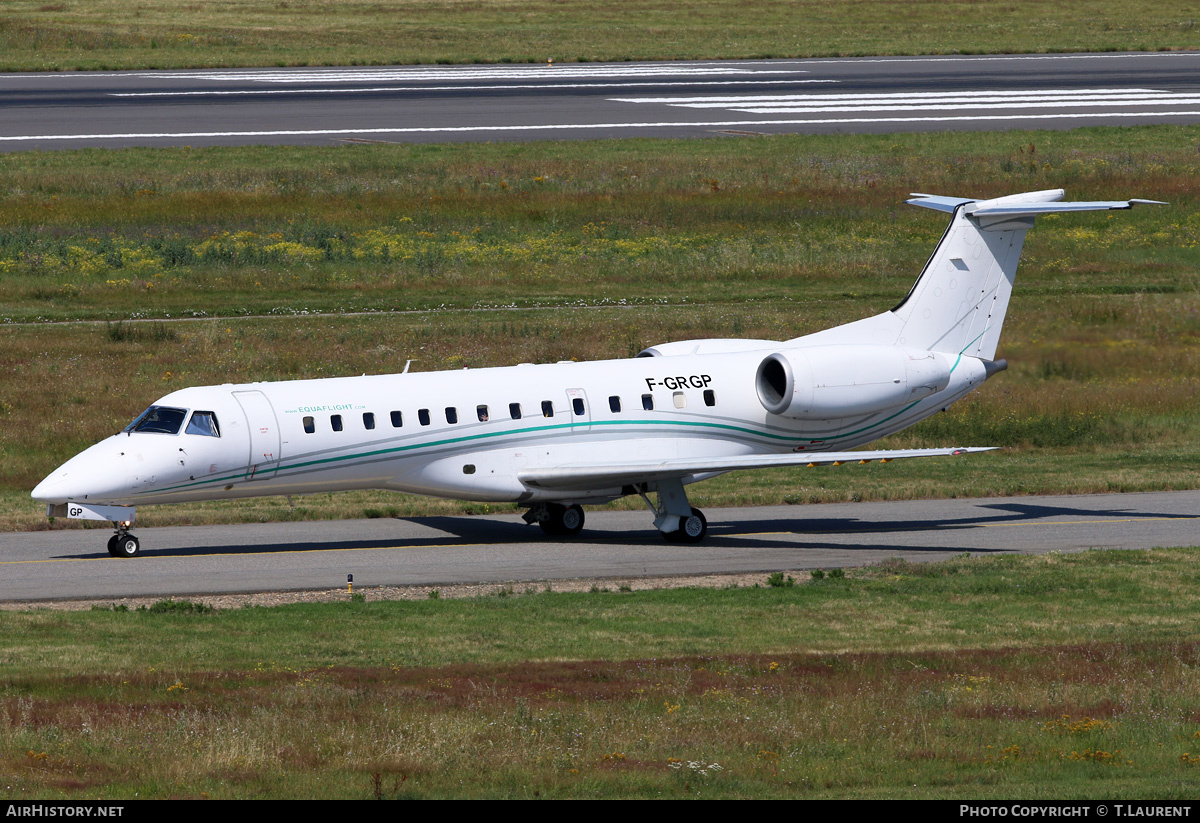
554	436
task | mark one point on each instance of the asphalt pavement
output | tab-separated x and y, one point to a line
178	561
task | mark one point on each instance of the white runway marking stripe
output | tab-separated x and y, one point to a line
550	86
927	101
538	70
585	126
886	96
1002	58
1055	104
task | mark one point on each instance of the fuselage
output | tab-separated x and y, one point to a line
469	434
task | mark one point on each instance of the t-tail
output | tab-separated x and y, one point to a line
958	303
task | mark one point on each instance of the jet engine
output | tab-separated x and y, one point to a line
827	382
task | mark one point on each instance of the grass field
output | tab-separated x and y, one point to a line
1062	676
1059	676
107	34
129	274
297	262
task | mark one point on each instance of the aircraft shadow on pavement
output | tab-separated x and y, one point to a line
1031	511
784	537
1006	512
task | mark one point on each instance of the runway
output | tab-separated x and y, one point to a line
73	564
589	101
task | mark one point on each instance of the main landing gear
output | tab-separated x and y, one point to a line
556	519
692	529
678	521
123	544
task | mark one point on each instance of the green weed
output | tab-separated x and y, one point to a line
170	606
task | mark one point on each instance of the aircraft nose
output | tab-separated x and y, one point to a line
44	491
89	475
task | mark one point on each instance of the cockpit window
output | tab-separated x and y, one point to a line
158	420
205	423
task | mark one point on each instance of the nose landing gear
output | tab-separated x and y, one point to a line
123	544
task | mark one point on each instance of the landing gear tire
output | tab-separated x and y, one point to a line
564	521
692	529
124	545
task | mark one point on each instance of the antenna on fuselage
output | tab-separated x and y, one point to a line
407	363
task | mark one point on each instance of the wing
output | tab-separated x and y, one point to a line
586	476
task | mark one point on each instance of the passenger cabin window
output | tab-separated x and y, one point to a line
577	405
158	420
310	425
679	399
648	402
368	420
451	414
205	423
482	413
547	408
710	397
336	422
514	411
423	416
614	404
397	420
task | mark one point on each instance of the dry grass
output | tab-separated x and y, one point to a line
158	34
963	724
884	683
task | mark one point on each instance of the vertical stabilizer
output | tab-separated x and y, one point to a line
958	303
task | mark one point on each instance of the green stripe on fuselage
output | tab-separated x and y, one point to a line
432	444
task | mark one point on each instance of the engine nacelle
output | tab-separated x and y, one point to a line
827	382
722	345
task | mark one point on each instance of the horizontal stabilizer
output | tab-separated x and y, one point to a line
1027	204
1034	209
585	476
